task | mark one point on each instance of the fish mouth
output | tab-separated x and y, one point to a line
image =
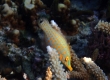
70	68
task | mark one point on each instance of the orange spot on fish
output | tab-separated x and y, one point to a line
64	52
61	57
59	47
51	40
67	58
57	41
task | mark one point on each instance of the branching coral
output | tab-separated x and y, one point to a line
40	3
55	26
2	78
14	52
103	26
79	72
17	20
92	68
56	66
63	13
101	41
48	74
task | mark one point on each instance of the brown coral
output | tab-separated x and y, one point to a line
79	70
40	3
67	2
92	68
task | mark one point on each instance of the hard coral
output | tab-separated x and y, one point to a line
31	4
101	41
68	19
103	26
1	78
56	66
79	70
92	68
48	74
7	10
62	7
28	5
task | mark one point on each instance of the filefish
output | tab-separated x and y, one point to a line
57	41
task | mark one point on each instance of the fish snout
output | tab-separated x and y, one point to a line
70	68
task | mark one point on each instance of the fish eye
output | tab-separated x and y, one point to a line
41	20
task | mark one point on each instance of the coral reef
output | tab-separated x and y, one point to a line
23	54
103	26
100	40
79	70
56	66
92	68
48	74
86	4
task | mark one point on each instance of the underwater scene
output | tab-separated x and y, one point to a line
54	39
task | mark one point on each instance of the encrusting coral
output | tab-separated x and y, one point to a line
103	26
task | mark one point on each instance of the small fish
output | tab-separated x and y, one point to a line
57	41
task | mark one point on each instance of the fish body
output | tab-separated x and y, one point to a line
57	41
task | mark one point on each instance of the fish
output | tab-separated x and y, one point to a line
56	41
